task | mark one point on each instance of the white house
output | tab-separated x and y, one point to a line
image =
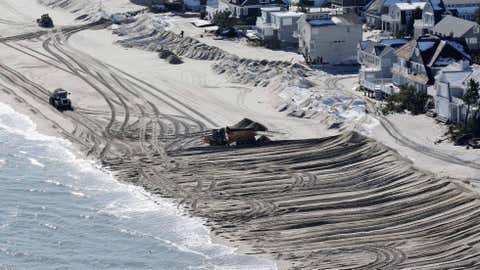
450	85
428	20
401	17
245	8
276	27
329	39
376	59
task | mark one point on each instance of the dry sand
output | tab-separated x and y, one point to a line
340	202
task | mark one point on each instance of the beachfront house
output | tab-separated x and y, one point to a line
459	28
450	85
376	59
462	8
420	59
430	16
401	16
373	13
376	8
326	38
349	6
244	9
310	3
276	27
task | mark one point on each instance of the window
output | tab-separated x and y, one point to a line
287	21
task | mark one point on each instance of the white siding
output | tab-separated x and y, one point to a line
335	44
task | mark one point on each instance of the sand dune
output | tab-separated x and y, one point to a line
342	202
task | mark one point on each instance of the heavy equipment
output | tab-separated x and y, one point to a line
244	132
45	21
59	99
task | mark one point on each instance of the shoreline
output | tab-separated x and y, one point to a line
79	155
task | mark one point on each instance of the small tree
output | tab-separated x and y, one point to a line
203	13
471	97
413	100
409	99
223	19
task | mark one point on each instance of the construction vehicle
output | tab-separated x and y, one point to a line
59	99
244	132
45	21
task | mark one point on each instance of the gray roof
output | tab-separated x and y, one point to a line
345	19
457	26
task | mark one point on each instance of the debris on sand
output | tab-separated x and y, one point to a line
173	59
298	114
163	53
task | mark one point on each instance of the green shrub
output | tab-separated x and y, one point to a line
407	99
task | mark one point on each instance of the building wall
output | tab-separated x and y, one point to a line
349	3
286	26
333	44
472	38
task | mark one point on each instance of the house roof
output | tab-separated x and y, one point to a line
346	19
458	27
321	22
393	42
287	14
376	6
410	6
382	47
437	5
427	49
432	51
461	11
458	75
271	8
456	2
457	78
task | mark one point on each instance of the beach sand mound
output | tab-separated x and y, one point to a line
260	72
148	32
341	202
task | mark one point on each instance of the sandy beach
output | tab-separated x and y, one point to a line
373	194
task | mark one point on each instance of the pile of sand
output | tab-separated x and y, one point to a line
259	72
148	33
93	10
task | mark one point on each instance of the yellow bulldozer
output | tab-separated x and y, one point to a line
244	132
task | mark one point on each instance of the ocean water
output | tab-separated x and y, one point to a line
60	212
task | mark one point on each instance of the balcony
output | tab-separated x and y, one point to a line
388	18
409	74
420	24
